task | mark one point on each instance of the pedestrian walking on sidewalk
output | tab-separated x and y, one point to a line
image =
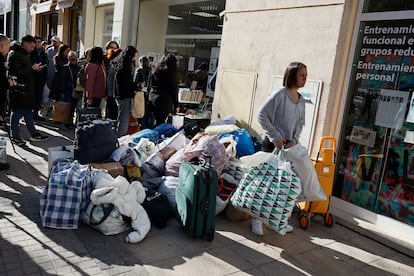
22	95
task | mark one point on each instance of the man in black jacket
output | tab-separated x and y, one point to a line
22	97
39	56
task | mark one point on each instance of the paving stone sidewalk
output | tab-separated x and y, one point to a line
26	248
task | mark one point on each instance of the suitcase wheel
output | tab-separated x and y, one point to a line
304	221
329	220
210	234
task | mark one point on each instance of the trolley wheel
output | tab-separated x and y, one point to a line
304	221
210	234
329	220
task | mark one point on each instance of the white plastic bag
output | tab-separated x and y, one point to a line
303	166
145	149
230	146
259	157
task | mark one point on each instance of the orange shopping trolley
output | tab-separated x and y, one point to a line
325	169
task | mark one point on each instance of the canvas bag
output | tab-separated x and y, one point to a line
106	218
268	193
138	105
303	166
66	196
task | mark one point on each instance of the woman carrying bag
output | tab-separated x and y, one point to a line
282	117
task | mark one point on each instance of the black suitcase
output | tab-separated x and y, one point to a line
196	199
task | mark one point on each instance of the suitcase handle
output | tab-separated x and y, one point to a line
328	138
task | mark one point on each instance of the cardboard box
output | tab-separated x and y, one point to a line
113	168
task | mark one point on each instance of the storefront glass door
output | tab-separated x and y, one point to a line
376	153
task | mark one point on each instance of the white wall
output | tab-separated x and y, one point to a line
152	28
264	36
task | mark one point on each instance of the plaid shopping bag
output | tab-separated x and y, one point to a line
269	194
66	196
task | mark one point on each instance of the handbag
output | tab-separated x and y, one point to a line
138	105
268	192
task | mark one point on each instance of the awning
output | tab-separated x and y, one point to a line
63	4
5	6
41	7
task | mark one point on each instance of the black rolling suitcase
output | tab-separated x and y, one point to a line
196	199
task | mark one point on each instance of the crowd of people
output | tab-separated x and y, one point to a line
102	78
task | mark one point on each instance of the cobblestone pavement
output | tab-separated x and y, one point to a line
29	249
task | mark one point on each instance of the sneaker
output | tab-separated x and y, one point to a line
18	141
257	227
38	138
289	228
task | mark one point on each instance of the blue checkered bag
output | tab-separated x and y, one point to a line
66	196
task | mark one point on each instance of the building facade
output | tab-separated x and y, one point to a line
360	58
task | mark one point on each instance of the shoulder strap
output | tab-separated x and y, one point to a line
70	70
107	209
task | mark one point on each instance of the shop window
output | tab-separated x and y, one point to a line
107	27
376	157
103	25
387	5
196	18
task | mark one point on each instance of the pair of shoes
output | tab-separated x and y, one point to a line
257	227
18	141
289	228
37	137
4	166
